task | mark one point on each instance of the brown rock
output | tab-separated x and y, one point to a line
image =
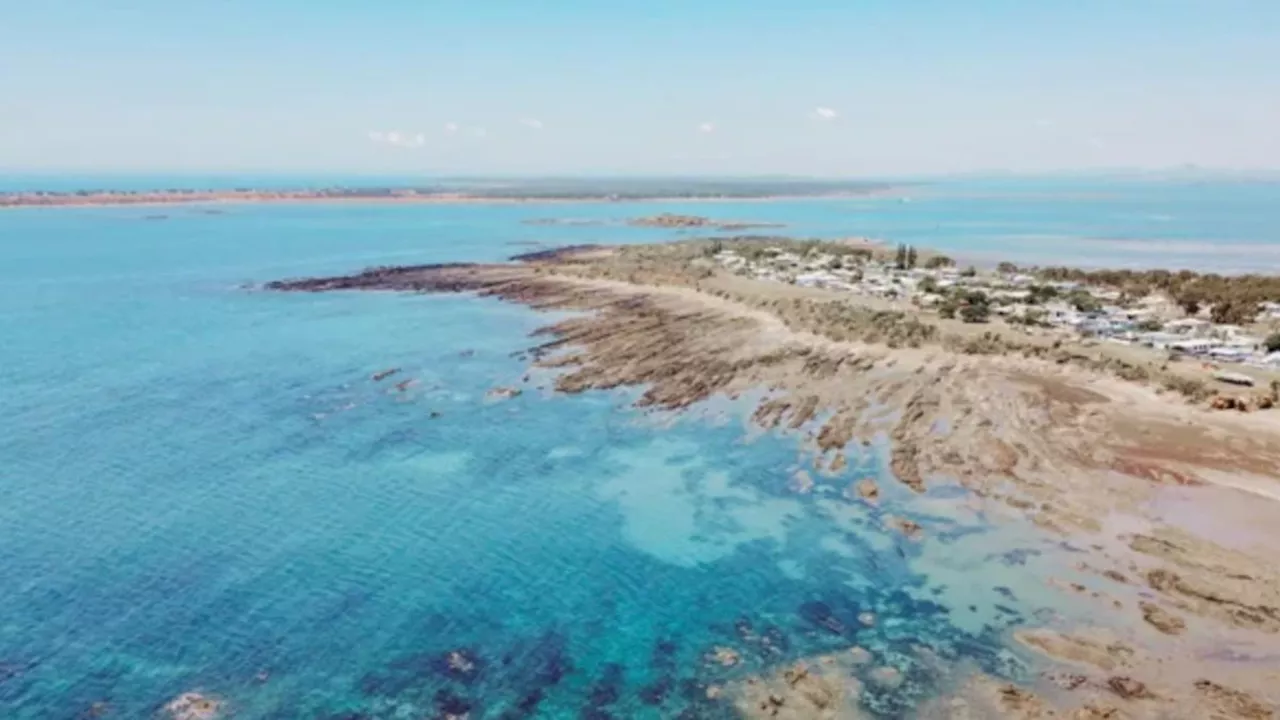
866	489
1128	688
907	527
1116	576
1068	681
1233	704
1161	619
794	674
503	393
1093	711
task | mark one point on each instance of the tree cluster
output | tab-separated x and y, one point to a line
971	306
1237	296
905	258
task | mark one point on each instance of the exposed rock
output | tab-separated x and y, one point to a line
795	674
1076	648
866	489
859	655
384	374
906	526
1015	699
838	463
1094	711
193	706
1128	688
713	692
1232	704
1116	576
728	657
503	393
800	692
1067	681
867	618
1161	619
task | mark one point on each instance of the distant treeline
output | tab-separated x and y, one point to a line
1232	299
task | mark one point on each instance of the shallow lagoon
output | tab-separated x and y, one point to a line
204	490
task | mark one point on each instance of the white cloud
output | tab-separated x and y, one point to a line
451	127
825	113
533	123
398	138
707	127
479	131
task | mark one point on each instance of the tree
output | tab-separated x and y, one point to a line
911	256
928	285
975	313
1233	312
1040	294
970	271
1272	343
1084	301
1189	299
1007	268
939	261
900	258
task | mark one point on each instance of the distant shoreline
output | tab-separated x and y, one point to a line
386	196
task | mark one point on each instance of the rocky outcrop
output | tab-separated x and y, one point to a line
193	706
1161	619
503	393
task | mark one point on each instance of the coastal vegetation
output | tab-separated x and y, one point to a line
1237	296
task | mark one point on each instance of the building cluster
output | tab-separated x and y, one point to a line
1019	298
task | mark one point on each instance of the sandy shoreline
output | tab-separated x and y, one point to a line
1185	616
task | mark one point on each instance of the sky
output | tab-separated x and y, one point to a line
847	88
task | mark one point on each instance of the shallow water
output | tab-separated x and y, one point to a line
204	490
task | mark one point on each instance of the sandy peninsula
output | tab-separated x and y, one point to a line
457	193
1168	504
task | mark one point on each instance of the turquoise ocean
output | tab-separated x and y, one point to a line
202	488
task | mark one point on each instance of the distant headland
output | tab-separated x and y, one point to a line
532	191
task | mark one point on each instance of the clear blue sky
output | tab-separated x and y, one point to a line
830	87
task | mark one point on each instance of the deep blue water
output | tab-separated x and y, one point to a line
204	490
